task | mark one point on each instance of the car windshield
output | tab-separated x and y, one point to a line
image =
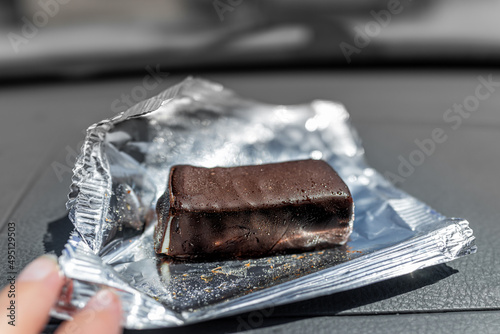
90	37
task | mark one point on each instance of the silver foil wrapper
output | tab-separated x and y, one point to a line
123	170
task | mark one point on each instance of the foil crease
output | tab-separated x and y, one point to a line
123	170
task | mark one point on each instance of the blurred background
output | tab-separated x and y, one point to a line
96	37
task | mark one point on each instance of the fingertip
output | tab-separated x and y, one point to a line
35	291
40	269
105	299
101	315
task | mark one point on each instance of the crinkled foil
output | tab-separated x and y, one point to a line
123	170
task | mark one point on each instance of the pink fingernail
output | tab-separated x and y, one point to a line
39	269
102	299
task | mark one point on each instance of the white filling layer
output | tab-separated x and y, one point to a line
166	237
165	272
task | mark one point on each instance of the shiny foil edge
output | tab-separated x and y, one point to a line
451	240
88	202
87	272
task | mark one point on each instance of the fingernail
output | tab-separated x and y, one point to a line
102	299
39	269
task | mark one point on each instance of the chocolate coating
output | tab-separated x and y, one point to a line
251	211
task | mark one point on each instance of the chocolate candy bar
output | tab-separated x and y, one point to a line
252	211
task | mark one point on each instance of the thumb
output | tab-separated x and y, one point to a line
30	297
